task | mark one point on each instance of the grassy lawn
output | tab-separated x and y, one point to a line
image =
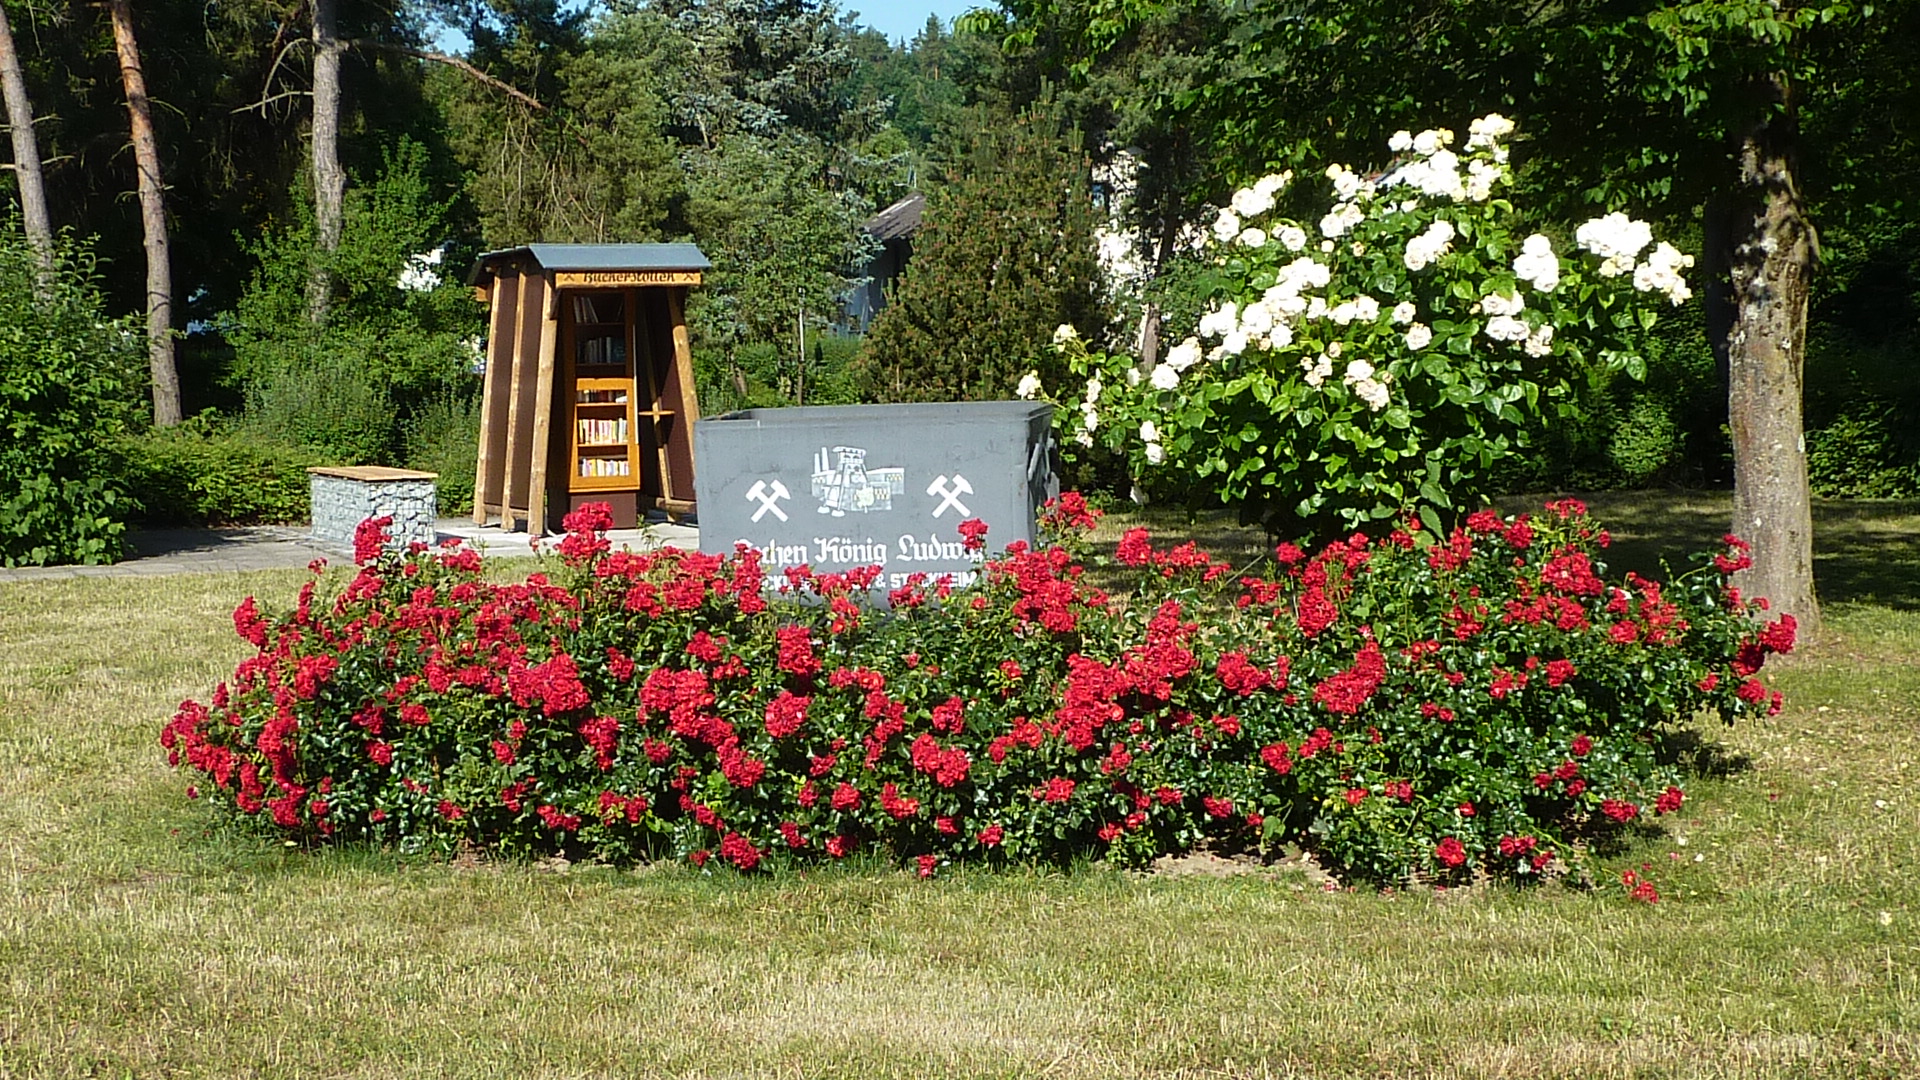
138	940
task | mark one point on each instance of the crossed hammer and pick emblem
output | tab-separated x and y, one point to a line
769	496
950	494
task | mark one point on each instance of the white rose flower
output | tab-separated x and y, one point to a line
1307	273
1481	177
1164	377
1184	355
1226	226
1335	348
1419	336
1496	304
1148	432
1234	343
1373	393
1220	321
1084	438
1093	389
1253	238
1540	342
1251	202
1326	245
1346	183
1537	265
1661	273
1316	307
1273	184
1133	376
1065	333
1155	454
1400	142
1280	336
1356	371
1506	328
1488	130
1403	312
1292	237
1365	308
1426	143
1343	217
1029	386
1616	239
1090	415
1318	369
1258	317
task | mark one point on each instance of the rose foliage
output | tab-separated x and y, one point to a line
1402	706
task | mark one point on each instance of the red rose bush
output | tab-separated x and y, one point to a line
1413	705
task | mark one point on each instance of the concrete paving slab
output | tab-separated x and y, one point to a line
277	547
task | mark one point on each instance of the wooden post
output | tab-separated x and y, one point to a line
543	414
526	345
496	392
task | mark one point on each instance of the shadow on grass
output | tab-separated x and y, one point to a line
1700	756
1866	551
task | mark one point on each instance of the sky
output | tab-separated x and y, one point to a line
900	20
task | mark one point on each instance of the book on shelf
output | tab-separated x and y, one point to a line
604	466
602	397
598	308
603	432
602	350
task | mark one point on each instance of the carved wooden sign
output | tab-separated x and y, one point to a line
576	279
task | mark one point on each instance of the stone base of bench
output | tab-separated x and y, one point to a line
343	497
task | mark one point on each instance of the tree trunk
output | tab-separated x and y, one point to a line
153	222
329	179
26	157
1770	271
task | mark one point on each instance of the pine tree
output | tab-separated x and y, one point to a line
1004	255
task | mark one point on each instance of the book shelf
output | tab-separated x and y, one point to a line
617	430
599	344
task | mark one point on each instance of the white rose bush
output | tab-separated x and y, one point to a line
1382	357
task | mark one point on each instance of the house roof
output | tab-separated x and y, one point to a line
896	221
596	257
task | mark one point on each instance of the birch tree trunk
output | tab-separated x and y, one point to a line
1773	248
153	222
329	179
26	156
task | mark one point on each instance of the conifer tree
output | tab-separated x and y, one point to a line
1005	255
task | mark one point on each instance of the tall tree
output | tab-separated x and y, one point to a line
26	155
153	219
329	177
1004	256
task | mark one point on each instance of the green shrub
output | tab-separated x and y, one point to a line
444	438
202	473
67	380
1858	456
400	329
334	408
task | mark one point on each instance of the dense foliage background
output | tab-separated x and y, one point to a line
1089	138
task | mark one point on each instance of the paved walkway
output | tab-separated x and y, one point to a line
274	547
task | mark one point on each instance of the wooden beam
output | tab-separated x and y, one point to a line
543	417
530	308
687	402
489	480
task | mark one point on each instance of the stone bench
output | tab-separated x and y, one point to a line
345	496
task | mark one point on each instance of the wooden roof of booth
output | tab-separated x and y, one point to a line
595	257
